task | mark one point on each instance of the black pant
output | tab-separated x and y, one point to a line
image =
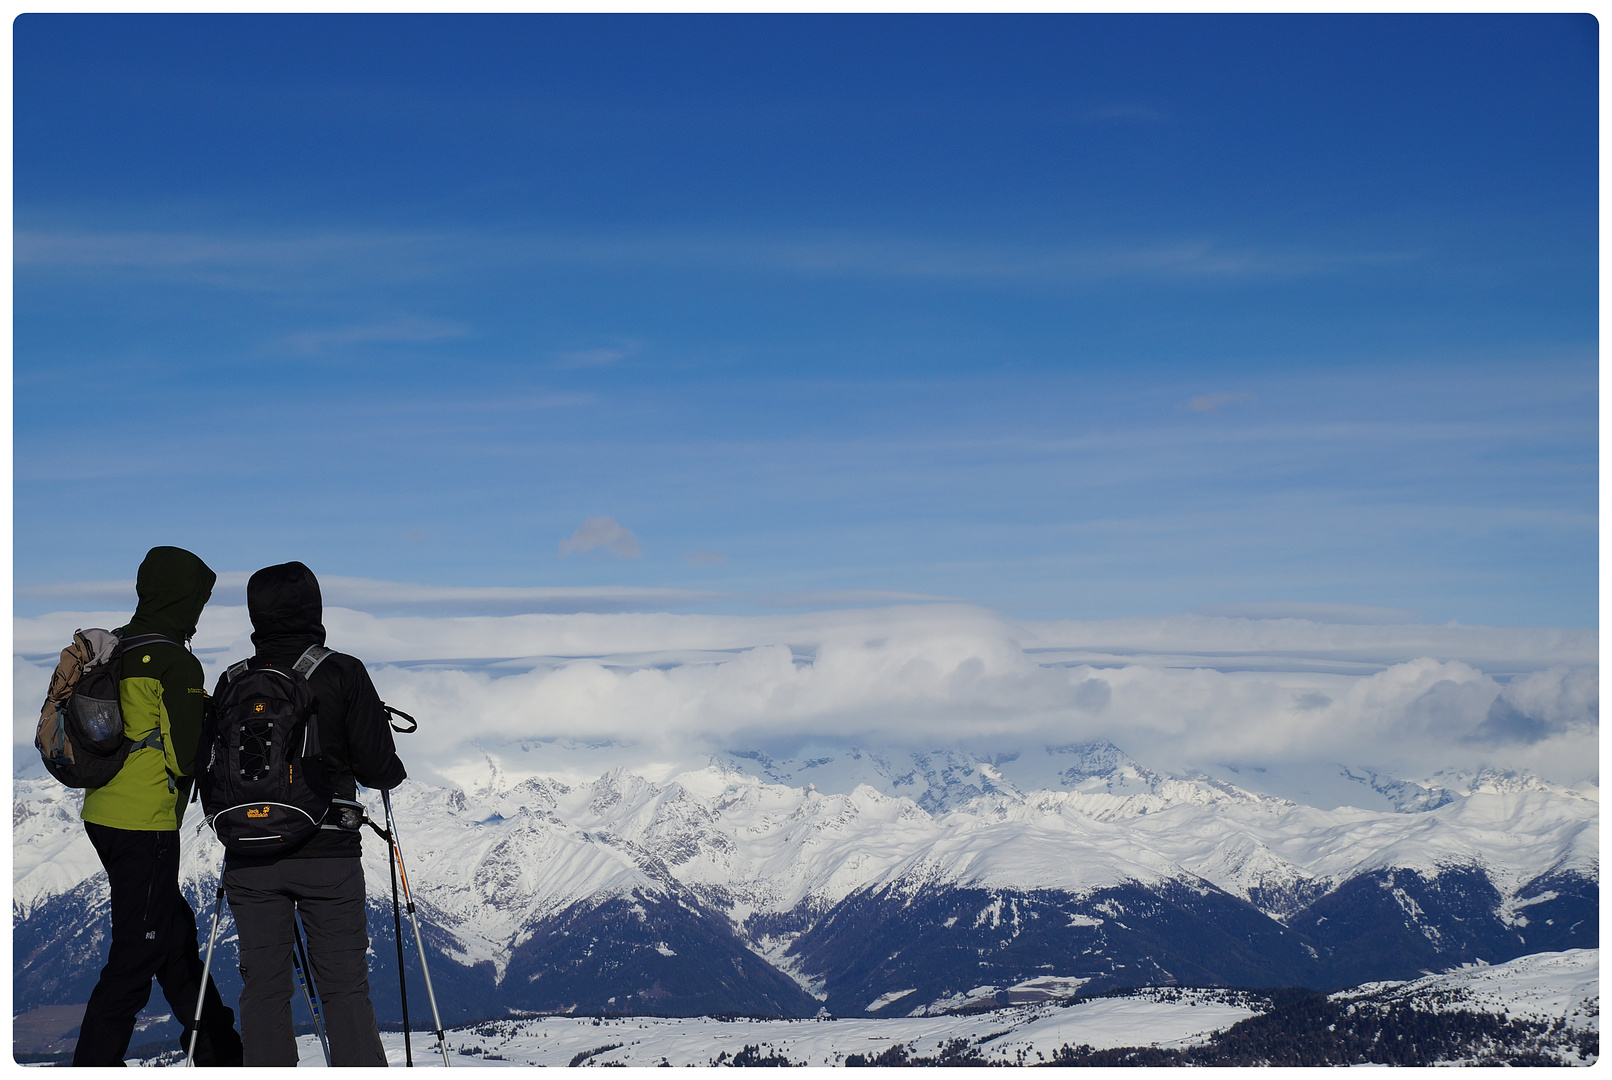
329	895
153	935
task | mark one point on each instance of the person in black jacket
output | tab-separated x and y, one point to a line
323	879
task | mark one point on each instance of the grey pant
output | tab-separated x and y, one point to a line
329	895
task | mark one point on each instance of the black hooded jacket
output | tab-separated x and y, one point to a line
355	738
173	586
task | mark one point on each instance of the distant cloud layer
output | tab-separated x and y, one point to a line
602	534
394	597
1179	692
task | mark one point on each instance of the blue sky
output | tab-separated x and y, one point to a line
1072	317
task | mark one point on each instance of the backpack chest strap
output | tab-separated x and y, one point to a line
153	741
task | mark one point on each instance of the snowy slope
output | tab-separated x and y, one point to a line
771	847
1562	986
50	853
502	852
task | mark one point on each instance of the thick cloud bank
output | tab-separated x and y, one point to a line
1177	692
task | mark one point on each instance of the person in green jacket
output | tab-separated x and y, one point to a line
133	821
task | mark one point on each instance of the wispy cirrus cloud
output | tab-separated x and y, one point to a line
1360	614
243	260
579	359
153	250
410	331
1210	403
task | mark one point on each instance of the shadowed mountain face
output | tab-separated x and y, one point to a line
940	948
628	955
647	955
956	946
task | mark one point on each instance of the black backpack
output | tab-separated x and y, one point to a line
263	788
80	736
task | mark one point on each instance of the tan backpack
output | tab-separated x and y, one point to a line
80	737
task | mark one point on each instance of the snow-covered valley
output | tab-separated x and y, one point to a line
1550	1002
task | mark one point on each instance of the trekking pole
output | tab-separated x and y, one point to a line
201	990
397	938
397	935
310	991
419	940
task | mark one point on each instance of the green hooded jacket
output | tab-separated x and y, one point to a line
162	688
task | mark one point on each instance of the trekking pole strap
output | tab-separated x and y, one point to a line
413	724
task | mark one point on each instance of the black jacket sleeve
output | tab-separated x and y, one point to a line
371	754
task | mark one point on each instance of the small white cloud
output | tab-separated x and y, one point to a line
1208	403
702	557
602	533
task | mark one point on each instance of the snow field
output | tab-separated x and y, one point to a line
1009	1035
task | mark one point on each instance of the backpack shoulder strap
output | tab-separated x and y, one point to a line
125	644
234	671
311	658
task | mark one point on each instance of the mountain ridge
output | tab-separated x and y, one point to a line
1123	875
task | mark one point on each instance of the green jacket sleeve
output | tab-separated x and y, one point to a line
184	697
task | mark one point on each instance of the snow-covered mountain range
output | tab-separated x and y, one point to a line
880	884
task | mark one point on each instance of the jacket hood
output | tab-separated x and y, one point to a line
286	609
173	586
